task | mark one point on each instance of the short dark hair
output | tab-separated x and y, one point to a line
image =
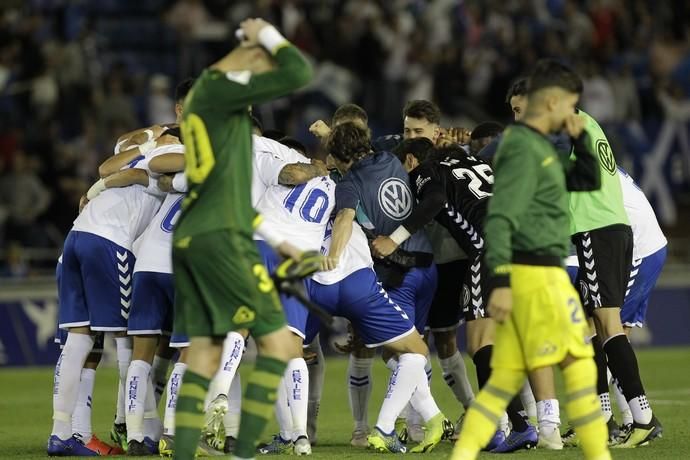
425	110
549	73
349	142
183	88
486	129
349	112
294	144
518	87
419	147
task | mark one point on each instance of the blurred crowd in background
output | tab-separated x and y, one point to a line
75	74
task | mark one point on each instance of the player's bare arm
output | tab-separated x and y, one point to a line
300	173
342	231
167	163
139	136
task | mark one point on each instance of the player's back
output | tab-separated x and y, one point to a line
647	235
300	212
382	187
467	182
153	249
269	157
119	214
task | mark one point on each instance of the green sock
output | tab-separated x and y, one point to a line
258	403
189	415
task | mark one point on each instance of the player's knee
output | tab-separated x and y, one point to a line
279	345
144	348
608	322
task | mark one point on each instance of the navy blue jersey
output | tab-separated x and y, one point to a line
378	189
561	141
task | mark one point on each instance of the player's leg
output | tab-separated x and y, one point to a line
492	400
606	265
231	421
296	378
77	317
444	319
161	365
542	382
217	406
150	307
316	365
381	322
360	384
166	444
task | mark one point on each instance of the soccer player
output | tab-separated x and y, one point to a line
375	190
454	189
600	225
483	134
297	202
219	280
100	244
541	322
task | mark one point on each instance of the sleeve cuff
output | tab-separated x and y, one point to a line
271	39
400	235
179	182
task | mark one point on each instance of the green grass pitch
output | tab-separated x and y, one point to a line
25	410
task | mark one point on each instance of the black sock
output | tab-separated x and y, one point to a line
600	361
623	365
516	419
482	361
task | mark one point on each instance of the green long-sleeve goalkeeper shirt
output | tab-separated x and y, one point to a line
528	219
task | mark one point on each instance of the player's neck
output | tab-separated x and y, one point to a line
538	123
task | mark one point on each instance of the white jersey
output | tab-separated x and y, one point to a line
269	158
647	235
122	214
356	256
153	249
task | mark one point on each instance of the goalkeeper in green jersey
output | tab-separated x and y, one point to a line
220	283
541	321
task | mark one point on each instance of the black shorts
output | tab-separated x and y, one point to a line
474	300
605	257
446	308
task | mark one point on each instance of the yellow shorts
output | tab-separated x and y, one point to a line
547	322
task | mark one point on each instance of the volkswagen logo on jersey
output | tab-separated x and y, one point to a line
395	198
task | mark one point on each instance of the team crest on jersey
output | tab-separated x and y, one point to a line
465	296
395	198
606	158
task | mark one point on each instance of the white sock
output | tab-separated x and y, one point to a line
317	372
504	424
81	417
548	416
283	415
455	375
152	422
623	406
174	384
231	421
297	387
136	390
233	346
159	376
528	401
123	347
605	402
359	386
422	401
408	375
392	364
641	410
66	381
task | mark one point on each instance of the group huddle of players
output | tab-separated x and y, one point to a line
418	233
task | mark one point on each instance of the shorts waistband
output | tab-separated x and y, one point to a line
529	258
